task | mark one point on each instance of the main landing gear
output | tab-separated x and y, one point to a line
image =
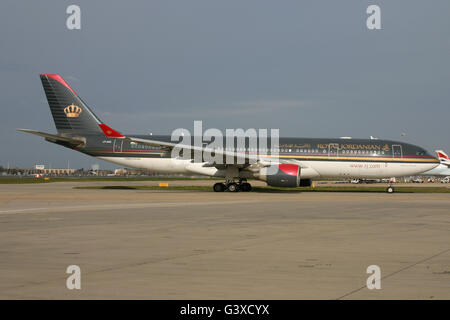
232	186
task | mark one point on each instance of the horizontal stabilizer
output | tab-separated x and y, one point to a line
54	137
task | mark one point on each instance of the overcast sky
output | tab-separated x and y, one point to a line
310	68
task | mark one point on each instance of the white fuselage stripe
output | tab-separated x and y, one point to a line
310	169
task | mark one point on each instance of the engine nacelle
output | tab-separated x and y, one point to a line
282	175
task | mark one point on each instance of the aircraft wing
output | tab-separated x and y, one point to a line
240	159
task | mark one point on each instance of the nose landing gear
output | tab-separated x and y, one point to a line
232	186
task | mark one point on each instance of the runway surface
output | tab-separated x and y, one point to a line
146	244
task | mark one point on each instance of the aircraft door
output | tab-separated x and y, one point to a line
333	149
117	146
397	151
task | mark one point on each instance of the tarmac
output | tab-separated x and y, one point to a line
151	244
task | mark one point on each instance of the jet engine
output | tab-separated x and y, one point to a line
282	175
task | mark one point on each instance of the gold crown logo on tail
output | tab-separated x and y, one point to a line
72	111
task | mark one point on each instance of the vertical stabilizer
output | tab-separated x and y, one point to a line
70	113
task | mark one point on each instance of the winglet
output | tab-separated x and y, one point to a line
109	132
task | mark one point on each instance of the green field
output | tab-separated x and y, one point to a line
398	189
9	180
281	190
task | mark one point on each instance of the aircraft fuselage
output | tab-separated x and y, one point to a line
320	157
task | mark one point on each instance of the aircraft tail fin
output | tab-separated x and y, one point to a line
70	114
443	157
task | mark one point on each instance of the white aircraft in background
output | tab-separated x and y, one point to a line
443	169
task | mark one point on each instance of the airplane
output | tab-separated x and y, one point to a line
443	169
297	160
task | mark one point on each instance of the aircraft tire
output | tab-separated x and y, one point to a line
219	187
233	187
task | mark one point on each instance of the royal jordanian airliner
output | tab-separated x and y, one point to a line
298	160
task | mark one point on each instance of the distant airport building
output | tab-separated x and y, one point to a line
40	169
58	171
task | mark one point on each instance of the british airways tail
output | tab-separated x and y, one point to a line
443	157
